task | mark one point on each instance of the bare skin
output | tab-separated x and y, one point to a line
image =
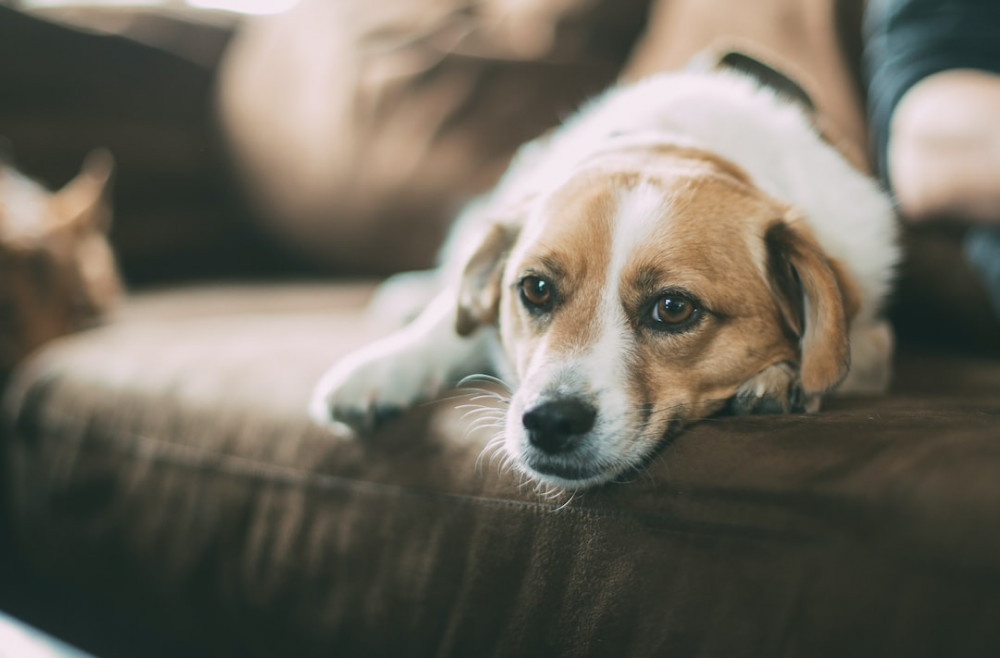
944	148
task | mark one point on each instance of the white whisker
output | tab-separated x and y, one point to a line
489	379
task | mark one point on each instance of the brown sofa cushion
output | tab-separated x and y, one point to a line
165	463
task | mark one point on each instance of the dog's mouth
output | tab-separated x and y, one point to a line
586	468
569	472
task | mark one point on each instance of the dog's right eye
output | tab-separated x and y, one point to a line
536	293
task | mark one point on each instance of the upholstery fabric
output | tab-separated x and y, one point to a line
164	462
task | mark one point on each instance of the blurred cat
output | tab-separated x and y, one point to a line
57	271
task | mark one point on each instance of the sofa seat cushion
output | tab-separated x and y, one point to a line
165	463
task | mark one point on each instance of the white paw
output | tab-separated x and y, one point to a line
373	385
402	297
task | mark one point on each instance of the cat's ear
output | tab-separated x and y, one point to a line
83	203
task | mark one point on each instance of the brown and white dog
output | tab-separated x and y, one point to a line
683	245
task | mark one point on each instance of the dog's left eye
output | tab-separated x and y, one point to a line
536	292
673	311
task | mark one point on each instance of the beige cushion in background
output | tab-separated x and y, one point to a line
361	127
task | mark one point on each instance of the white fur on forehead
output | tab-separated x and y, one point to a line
640	210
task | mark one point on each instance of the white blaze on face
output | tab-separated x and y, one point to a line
597	372
605	366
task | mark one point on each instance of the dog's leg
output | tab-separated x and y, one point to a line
400	299
413	364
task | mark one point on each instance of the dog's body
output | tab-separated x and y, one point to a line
683	245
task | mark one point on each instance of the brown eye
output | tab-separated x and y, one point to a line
671	311
536	292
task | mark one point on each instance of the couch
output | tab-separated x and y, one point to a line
164	493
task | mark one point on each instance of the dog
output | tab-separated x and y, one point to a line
684	245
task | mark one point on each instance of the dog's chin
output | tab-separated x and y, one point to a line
583	468
565	474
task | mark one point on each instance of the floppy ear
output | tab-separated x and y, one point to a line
479	288
816	301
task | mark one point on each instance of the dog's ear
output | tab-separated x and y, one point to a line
816	300
479	288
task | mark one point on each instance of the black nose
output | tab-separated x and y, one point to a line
557	426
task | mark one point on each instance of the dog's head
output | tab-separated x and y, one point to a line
655	286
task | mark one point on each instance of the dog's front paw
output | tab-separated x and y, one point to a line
371	386
774	390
